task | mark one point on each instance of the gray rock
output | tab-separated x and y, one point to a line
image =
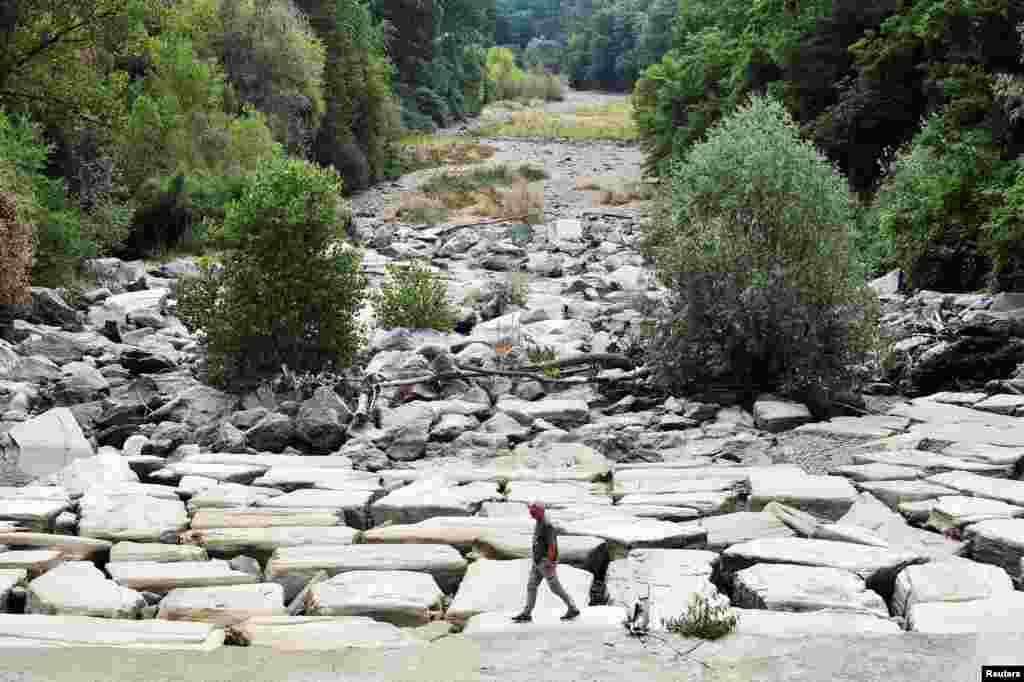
669	578
953	580
876	565
785	587
246	564
893	493
810	624
272	433
452	425
957	511
887	285
1000	614
48	443
500	586
403	598
78	588
223	605
557	411
228	439
774	415
999	542
726	530
878	472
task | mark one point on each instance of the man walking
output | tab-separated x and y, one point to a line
545	562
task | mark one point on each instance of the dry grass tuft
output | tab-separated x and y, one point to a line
616	191
606	122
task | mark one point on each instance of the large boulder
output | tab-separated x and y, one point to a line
48	443
774	415
398	597
224	604
785	587
953	580
78	588
669	578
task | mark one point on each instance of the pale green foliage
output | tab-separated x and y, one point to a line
290	291
413	297
755	248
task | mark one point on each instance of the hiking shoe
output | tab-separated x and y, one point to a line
571	614
522	618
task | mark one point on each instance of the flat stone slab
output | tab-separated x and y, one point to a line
670	486
1001	404
78	588
874	426
826	496
34	562
1000	614
399	597
500	586
958	511
983	452
228	496
319	633
876	471
785	587
38	514
459	531
812	623
228	473
293	478
441	561
962	398
232	542
580	551
1011	492
49	442
9	578
591	619
555	494
626	534
36	631
154	576
892	493
268	460
432	497
1007	434
263	517
929	461
557	411
155	551
669	577
876	565
353	504
726	530
999	542
701	504
952	580
129	517
223	605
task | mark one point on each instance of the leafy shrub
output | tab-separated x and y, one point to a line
704	619
290	291
414	297
754	247
509	82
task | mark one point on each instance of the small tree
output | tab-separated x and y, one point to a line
754	247
290	291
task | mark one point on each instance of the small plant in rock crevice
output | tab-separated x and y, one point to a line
705	618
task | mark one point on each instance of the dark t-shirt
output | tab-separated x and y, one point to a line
544	535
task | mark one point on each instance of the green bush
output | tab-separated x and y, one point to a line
754	246
289	293
414	297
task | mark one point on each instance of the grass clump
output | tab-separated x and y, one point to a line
430	151
500	191
414	297
704	619
617	191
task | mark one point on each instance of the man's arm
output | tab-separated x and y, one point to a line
552	542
